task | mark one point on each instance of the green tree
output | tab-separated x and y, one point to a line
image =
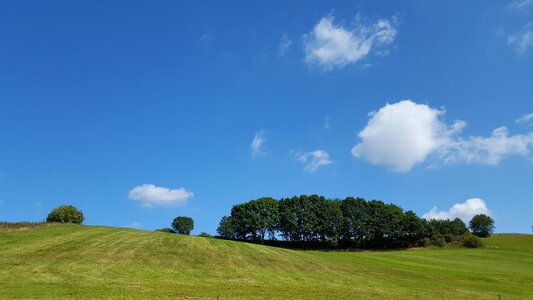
226	228
65	214
354	220
183	225
482	225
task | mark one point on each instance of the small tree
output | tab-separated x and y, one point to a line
183	225
65	214
482	225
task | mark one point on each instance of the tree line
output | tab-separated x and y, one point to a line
312	221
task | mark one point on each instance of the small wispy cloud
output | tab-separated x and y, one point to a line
520	4
257	143
523	39
525	119
284	44
312	161
327	125
150	195
330	45
464	211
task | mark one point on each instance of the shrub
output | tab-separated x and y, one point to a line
183	225
65	214
438	240
205	234
471	241
166	229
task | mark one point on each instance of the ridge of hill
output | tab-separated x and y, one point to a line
88	262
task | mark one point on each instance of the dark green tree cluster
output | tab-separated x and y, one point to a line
319	222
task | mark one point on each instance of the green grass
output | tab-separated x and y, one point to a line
71	261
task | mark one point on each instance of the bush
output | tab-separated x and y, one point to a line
65	214
183	225
204	234
166	229
438	240
470	241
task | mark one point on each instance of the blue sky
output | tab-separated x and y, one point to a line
138	112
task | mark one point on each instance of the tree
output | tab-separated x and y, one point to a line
183	225
65	214
482	225
226	228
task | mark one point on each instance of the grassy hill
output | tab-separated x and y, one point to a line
71	261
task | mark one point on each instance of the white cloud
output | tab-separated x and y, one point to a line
284	44
520	4
523	39
487	150
525	119
401	135
332	46
326	123
257	143
150	195
464	211
313	160
404	134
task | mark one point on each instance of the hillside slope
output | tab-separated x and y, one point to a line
71	261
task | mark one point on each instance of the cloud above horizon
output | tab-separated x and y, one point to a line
150	195
256	146
524	119
284	44
523	39
404	134
312	161
331	45
464	211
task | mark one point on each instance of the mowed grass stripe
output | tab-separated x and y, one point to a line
86	262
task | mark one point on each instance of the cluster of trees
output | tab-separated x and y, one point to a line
314	221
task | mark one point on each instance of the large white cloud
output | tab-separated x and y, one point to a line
405	133
150	195
401	135
464	211
314	160
331	45
257	143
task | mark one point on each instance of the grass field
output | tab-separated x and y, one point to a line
71	261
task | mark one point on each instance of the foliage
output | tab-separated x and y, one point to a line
166	229
469	240
65	214
183	225
226	229
205	234
482	225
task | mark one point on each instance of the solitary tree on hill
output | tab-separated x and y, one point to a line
482	225
183	225
65	214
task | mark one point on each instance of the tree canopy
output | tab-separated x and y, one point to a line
482	225
65	214
183	225
352	222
